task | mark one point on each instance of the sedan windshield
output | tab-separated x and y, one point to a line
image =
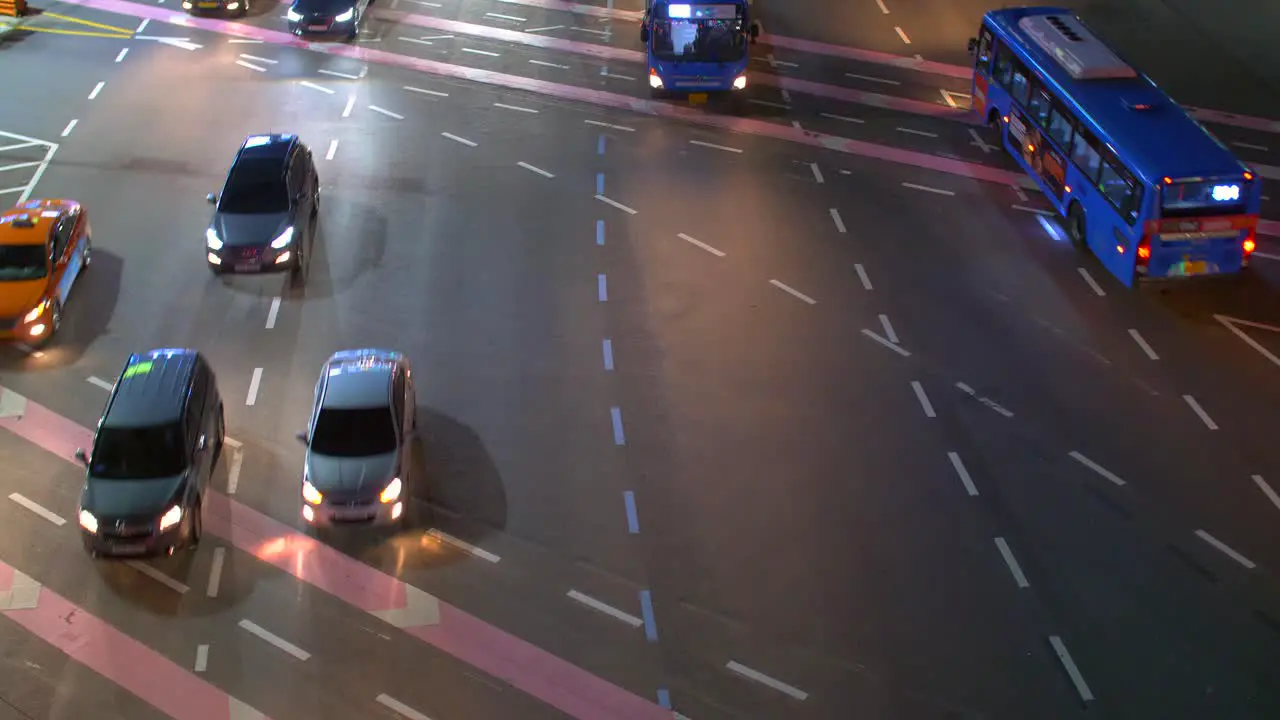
23	262
256	187
698	33
138	453
354	432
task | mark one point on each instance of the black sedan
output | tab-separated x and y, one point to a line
327	17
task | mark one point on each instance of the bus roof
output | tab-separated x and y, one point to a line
1153	135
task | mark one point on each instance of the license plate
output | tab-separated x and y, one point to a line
317	27
697	98
352	514
129	549
207	5
1195	268
247	267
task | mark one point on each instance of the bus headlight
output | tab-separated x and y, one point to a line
655	82
740	82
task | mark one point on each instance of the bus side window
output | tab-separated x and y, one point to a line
1118	185
1060	126
1040	105
1003	71
1020	85
985	42
1085	155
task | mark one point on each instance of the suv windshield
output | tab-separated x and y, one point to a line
354	432
698	33
138	453
23	262
255	187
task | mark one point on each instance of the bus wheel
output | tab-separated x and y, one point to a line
1076	229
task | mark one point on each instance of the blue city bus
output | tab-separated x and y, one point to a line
1141	184
698	49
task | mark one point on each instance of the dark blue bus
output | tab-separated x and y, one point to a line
700	48
1140	183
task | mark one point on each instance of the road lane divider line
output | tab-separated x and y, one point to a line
615	416
714	146
66	131
870	78
602	288
1012	563
415	41
792	291
516	108
251	66
599	183
215	572
535	169
202	658
1142	343
99	382
463	545
234	464
698	243
422	91
399	708
600	143
19	166
313	86
158	576
1050	228
616	76
1225	549
388	113
902	34
817	173
633	517
97	89
611	126
1073	672
1249	146
143	25
274	312
646	612
984	400
601	607
351	105
244	41
843	118
615	203
599	232
883	10
926	188
923	398
979	143
275	640
255	58
607	349
1080	458
38	509
333	149
885	342
759	677
254	383
481	52
921	133
458	139
863	277
1267	490
1200	413
766	103
963	472
544	63
544	29
1037	211
335	73
888	329
835	218
1093	284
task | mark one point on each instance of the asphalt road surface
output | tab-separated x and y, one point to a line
717	420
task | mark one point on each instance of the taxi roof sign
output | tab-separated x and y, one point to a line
139	368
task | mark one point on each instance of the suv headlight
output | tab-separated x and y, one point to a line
346	16
285	238
36	311
311	494
171	517
293	16
392	492
88	522
212	240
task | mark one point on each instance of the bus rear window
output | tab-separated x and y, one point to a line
1203	197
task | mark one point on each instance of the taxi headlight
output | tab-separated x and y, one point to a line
311	494
346	16
740	82
212	240
36	311
88	522
392	492
285	238
293	16
171	517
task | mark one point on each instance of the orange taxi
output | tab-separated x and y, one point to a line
44	246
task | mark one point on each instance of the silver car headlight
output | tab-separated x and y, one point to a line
212	240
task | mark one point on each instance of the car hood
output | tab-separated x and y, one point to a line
249	230
322	7
19	296
126	498
368	474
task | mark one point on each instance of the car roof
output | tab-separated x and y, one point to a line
359	378
32	222
268	146
152	389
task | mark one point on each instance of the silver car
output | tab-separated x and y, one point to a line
357	465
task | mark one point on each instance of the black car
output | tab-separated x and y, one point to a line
328	17
265	218
155	449
239	8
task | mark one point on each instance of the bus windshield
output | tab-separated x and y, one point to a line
698	33
1201	198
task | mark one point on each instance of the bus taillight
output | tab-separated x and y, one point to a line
1249	243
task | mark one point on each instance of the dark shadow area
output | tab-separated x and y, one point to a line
367	230
1252	295
140	590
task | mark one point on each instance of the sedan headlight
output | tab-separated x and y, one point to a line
293	16
344	17
170	518
392	493
88	522
740	82
212	240
285	238
311	494
36	311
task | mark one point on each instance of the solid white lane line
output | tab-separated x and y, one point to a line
388	113
597	123
842	118
123	52
251	66
538	170
158	576
19	166
457	139
544	29
261	59
924	399
333	149
757	676
512	18
480	52
606	347
835	217
351	104
276	640
415	40
1037	211
1012	562
903	34
883	9
602	288
862	276
888	329
1199	411
817	173
1080	458
1142	343
548	64
38	509
463	545
766	103
97	89
1249	146
517	108
963	472
1069	665
335	73
616	204
926	188
437	93
233	469
922	133
883	341
726	148
275	301
313	86
788	289
100	383
396	706
872	79
254	382
699	243
1267	490
1225	549
142	25
202	658
215	572
1092	283
609	610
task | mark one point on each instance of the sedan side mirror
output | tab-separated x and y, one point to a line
212	198
82	457
302	437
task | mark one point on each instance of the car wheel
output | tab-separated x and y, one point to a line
197	526
298	271
222	435
1076	228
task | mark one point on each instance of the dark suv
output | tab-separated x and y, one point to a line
156	447
265	218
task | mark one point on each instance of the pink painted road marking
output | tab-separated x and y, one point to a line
1269	227
525	666
580	94
114	655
